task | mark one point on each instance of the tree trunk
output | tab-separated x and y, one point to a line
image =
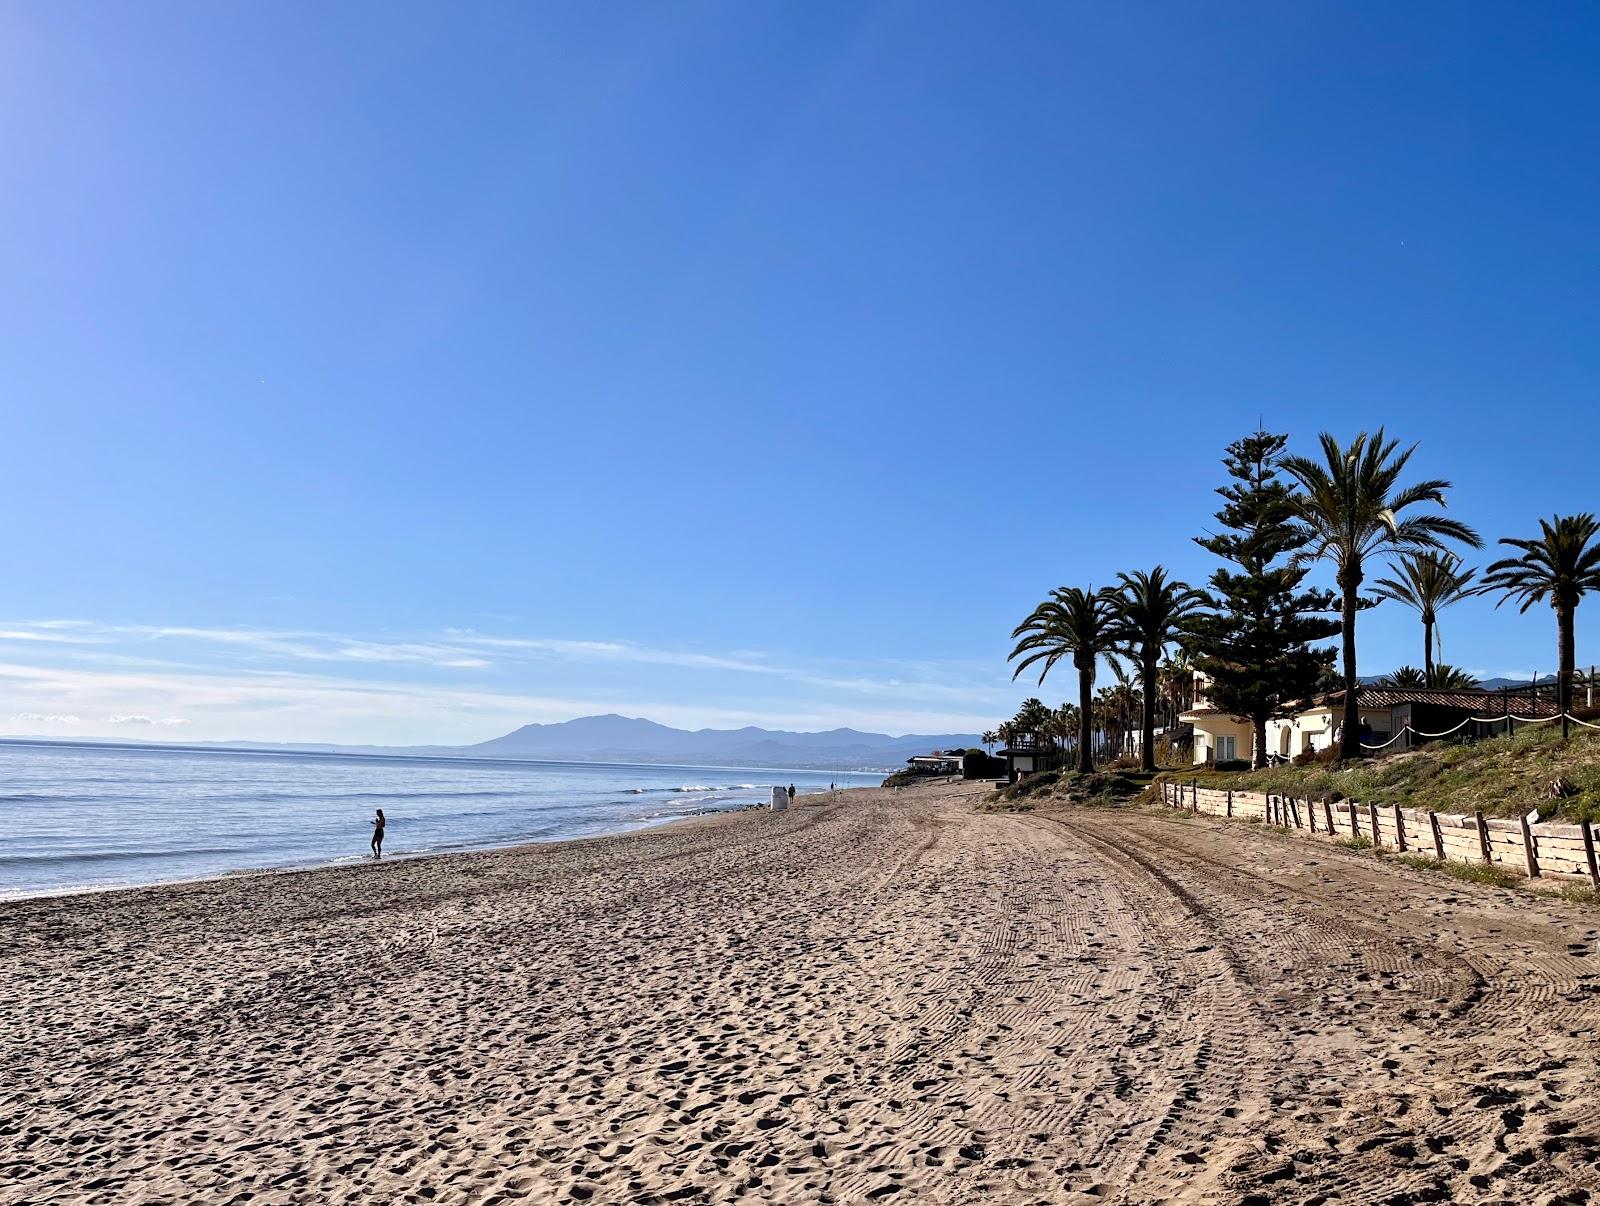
1258	756
1566	656
1147	738
1085	718
1350	737
1427	650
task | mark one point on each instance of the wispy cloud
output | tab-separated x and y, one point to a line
615	651
457	684
43	718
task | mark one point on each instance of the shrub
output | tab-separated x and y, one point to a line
1031	785
1232	764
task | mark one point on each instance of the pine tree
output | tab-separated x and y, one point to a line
1255	647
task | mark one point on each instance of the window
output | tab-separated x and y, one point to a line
1225	749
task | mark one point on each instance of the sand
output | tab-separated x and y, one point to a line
887	997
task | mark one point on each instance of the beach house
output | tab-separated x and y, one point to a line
1029	753
1391	718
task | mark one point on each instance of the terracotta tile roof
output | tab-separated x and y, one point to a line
1479	703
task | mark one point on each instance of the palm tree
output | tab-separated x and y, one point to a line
1032	716
1070	622
1562	565
1063	725
1438	677
1177	684
1351	507
989	738
1151	612
1428	582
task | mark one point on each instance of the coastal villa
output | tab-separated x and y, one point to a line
1385	711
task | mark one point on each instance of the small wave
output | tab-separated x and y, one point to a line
93	856
700	787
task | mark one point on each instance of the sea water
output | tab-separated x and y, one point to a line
74	817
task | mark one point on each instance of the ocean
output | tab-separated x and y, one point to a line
76	817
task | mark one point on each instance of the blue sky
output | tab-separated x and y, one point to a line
404	373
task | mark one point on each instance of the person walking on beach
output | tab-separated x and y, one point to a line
791	795
377	835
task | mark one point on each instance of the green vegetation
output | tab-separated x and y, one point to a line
1097	788
1354	843
1505	776
1255	647
1562	566
1352	504
1070	622
1428	582
1151	611
1436	677
1472	873
1254	641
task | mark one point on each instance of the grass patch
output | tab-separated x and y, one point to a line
1355	843
1580	894
1504	776
1472	873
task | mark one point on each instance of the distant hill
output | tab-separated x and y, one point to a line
613	738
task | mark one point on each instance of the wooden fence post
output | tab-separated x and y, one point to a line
1588	853
1230	802
1311	814
1438	834
1194	795
1327	814
1294	811
1372	815
1529	855
1399	830
1355	820
1483	837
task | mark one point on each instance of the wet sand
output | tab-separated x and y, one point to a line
886	997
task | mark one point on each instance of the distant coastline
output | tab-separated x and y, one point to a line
613	740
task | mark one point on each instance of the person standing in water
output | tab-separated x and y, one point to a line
377	835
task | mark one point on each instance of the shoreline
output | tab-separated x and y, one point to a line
352	863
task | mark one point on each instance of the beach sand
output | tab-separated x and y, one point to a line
887	996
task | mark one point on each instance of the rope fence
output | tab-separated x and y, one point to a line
1484	720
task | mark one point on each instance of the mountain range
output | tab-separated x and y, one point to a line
613	738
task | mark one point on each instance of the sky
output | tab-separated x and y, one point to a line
397	373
